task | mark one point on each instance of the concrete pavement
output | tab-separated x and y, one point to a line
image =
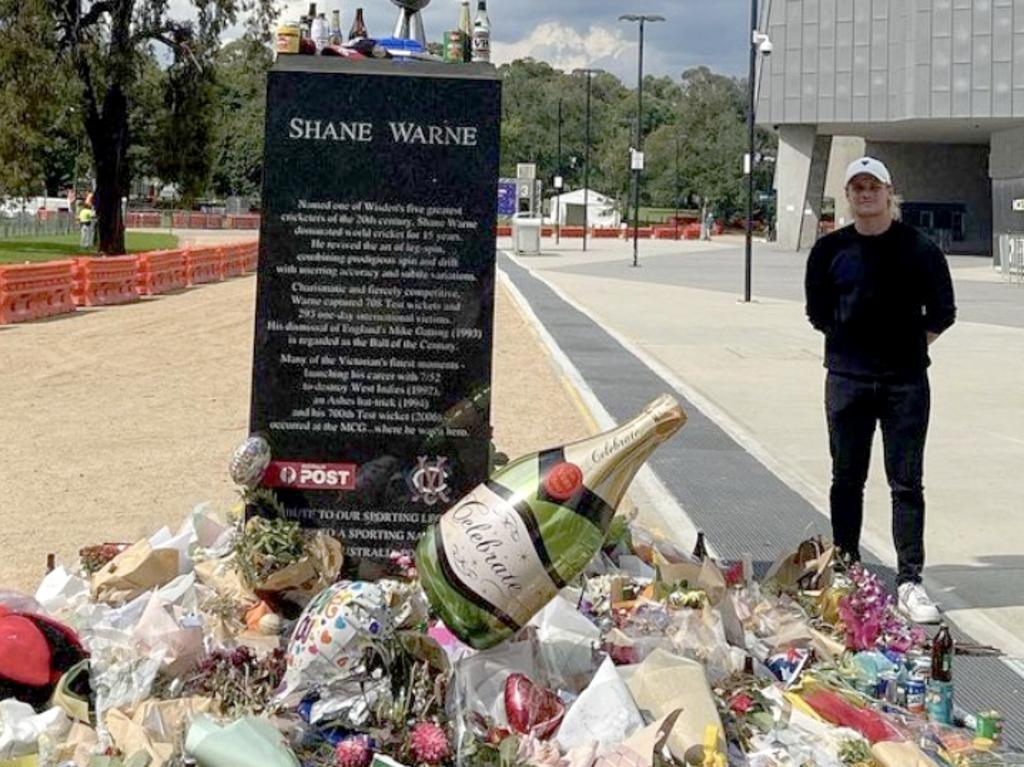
755	370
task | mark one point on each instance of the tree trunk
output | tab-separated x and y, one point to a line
109	138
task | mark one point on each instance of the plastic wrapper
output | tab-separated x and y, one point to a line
567	644
17	602
156	727
531	709
62	591
700	635
604	712
900	754
21	727
243	743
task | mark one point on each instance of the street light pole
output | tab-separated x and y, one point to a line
589	74
635	161
558	180
677	189
748	165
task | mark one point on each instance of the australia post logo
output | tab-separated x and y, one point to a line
301	475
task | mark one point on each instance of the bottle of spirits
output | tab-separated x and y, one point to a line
358	31
336	37
482	34
501	553
942	655
321	33
700	551
466	28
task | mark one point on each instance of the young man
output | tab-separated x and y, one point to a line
881	293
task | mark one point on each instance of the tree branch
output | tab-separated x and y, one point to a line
97	10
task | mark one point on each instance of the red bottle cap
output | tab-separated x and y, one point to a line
563	480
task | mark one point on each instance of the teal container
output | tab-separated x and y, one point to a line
938	701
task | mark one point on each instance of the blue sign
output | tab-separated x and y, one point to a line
506	197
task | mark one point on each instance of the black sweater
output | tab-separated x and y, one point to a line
875	297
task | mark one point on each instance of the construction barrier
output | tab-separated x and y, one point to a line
604	232
242	221
143	221
572	231
252	258
668	232
503	231
235	259
103	281
161	271
32	291
204	265
691	232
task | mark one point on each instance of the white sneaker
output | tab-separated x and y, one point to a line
914	603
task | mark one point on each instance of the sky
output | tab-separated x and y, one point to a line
577	33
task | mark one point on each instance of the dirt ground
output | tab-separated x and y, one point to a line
117	421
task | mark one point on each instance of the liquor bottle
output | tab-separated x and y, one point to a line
942	655
307	22
700	551
466	28
503	551
358	31
336	38
320	32
482	34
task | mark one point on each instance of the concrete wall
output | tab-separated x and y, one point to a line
858	60
1006	166
944	173
845	149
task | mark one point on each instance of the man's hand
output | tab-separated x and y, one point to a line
931	336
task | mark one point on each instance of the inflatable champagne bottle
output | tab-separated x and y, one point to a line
505	550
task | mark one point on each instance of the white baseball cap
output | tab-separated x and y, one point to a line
870	166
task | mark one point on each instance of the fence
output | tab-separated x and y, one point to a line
184	219
28	225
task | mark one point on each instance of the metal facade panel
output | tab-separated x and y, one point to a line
961	36
879	96
982	21
861	73
1002	90
827	72
942	18
844	10
1018	60
922	90
922	37
879	44
1002	33
810	48
844	46
1018	15
981	66
942	69
961	90
861	22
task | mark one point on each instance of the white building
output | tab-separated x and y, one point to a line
567	209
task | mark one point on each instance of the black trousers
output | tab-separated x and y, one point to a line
853	406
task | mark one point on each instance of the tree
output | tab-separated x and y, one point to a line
240	95
28	92
105	42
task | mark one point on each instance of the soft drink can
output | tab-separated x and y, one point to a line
939	701
889	688
915	695
989	724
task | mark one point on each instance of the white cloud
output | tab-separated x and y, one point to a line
564	48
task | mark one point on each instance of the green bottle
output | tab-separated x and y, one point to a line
493	560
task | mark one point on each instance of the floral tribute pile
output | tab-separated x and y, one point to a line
235	644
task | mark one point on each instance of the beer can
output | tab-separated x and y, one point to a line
989	724
890	689
288	34
454	46
915	695
939	701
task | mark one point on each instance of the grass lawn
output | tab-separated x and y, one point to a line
17	250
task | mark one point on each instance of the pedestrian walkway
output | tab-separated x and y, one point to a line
614	326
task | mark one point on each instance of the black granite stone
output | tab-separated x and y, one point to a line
374	320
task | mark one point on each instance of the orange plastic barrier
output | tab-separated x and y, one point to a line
242	221
252	257
234	260
605	232
104	281
161	271
142	220
668	232
504	231
691	232
572	231
204	265
31	291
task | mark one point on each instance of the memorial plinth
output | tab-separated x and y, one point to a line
375	297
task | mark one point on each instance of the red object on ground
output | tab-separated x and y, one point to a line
105	281
32	291
34	652
834	708
161	271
